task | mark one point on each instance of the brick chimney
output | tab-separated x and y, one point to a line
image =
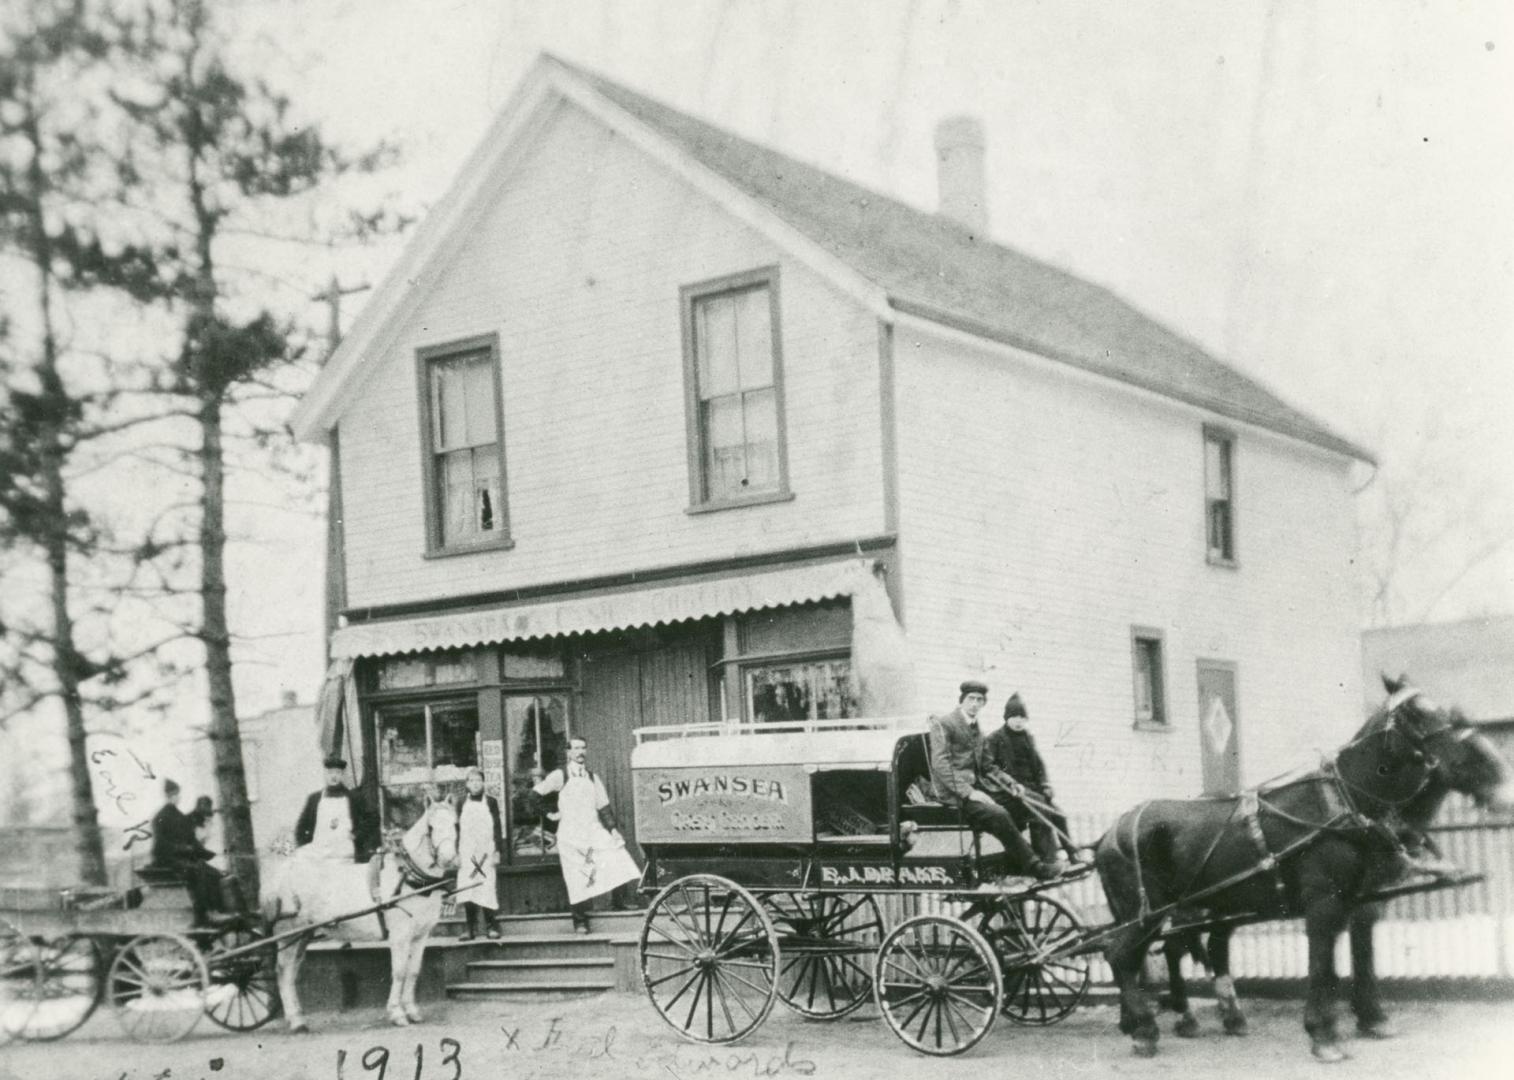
959	173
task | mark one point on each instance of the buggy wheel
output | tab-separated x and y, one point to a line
937	984
1034	938
64	986
825	940
709	959
19	976
244	989
157	987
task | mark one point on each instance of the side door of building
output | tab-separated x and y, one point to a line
1219	727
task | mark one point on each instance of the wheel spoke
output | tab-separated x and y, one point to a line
672	939
666	978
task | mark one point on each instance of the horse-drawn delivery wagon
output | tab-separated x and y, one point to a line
769	847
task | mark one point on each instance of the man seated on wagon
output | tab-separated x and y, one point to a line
175	847
961	776
1012	749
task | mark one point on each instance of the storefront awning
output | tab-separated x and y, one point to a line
620	610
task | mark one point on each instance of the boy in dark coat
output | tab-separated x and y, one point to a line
1013	749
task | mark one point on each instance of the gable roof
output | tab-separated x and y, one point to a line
930	267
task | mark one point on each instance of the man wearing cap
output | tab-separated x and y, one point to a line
959	770
334	823
1012	748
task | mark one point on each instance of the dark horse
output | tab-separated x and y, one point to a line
1303	846
1469	765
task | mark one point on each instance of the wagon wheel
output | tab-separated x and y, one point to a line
824	938
20	968
709	959
1035	938
157	986
938	986
65	988
244	988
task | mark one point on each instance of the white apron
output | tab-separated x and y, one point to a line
593	860
333	830
475	848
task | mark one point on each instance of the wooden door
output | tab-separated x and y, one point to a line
1219	734
609	708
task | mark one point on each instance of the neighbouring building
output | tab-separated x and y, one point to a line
1467	664
654	425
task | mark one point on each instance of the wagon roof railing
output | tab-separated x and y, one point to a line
720	728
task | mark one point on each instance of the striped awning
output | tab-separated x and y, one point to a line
619	610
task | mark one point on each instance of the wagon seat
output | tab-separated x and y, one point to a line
940	829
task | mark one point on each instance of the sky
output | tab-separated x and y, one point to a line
1320	193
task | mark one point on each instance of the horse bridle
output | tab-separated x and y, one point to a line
1416	738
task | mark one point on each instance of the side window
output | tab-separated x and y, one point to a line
1219	494
735	381
464	447
1148	665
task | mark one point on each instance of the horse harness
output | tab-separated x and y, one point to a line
1344	818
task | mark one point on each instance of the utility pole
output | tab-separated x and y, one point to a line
336	567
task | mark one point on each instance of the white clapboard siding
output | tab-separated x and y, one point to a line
577	266
1044	513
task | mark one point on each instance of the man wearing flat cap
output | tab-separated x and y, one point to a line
959	771
334	823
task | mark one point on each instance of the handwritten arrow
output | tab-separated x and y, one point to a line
147	772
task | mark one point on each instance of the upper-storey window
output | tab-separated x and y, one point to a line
465	457
1219	494
735	391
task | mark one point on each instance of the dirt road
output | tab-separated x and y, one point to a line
619	1037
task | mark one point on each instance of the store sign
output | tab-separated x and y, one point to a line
492	761
716	804
849	875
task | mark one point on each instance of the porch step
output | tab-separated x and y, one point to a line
541	947
617	923
547	970
495	991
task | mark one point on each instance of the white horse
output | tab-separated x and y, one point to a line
312	890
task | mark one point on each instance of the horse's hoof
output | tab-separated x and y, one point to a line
1328	1053
1377	1029
1235	1025
1187	1026
1145	1048
399	1019
413	1015
298	1027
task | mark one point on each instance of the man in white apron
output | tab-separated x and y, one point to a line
590	848
480	840
334	824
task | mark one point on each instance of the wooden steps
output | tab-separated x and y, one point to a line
539	956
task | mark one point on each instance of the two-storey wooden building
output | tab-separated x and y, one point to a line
653	425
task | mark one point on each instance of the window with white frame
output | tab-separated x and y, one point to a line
465	451
735	390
